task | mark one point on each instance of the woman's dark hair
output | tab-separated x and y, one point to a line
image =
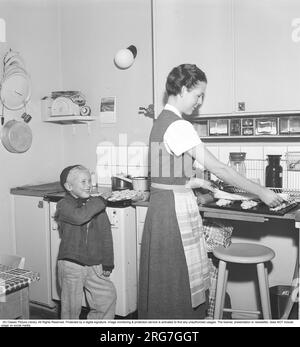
184	75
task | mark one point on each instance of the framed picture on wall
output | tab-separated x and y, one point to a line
108	110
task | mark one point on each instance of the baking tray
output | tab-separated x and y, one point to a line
119	203
260	208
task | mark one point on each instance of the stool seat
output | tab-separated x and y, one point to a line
244	253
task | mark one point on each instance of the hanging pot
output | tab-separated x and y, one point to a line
16	136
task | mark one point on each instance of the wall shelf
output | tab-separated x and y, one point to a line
70	119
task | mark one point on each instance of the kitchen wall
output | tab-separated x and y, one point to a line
32	29
281	236
92	32
70	45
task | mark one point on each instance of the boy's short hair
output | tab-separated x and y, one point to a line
65	173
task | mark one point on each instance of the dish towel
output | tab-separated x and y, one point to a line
190	226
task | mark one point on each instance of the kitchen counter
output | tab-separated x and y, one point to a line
51	190
238	215
224	213
39	190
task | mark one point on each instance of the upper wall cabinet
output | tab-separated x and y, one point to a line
267	55
196	32
250	51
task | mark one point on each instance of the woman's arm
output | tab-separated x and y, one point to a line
229	175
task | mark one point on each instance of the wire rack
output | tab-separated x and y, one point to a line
255	171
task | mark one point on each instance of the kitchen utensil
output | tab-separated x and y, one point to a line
237	162
15	89
120	183
293	161
219	194
63	106
260	208
274	171
16	136
140	184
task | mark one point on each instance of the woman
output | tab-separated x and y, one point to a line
174	274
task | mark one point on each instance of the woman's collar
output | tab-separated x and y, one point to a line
173	109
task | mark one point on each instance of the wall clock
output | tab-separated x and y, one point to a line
15	90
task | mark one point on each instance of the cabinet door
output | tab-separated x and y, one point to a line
196	32
31	227
140	221
267	58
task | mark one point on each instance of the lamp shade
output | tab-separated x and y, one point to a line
125	57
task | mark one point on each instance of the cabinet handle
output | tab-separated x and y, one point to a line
40	204
241	106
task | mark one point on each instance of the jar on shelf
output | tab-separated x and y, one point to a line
237	162
274	171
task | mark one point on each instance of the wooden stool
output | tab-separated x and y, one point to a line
243	253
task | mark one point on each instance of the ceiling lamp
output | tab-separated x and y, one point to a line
125	57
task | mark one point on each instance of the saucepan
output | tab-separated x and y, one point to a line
136	183
16	136
120	183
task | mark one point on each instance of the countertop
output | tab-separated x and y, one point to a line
39	190
55	192
52	190
241	215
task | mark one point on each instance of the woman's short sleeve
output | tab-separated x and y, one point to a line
180	137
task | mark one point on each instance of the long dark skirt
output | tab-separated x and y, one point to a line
164	289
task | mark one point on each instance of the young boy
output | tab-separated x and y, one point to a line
85	258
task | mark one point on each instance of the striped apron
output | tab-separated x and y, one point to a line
190	226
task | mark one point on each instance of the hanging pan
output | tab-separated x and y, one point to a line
16	136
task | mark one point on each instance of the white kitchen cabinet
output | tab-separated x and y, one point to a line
196	32
267	56
249	50
32	235
141	212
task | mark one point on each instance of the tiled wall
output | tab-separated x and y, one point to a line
133	160
122	160
256	155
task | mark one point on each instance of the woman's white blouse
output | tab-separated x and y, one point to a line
180	136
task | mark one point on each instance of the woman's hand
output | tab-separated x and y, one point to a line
270	198
204	199
106	273
196	182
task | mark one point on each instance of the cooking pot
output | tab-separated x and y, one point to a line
16	136
140	183
120	183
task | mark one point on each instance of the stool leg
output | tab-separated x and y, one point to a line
224	292
264	290
294	290
220	289
268	291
